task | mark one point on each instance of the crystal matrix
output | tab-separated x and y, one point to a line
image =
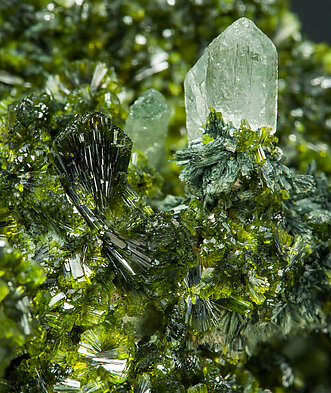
237	75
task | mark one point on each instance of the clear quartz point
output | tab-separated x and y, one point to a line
238	76
147	125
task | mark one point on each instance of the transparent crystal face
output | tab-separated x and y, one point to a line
147	124
237	75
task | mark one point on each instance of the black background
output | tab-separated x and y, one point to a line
315	17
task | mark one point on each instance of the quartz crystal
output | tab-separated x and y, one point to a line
236	75
147	125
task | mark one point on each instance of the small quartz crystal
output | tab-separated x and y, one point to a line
147	125
236	75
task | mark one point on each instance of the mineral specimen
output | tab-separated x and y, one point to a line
147	124
92	156
216	289
237	75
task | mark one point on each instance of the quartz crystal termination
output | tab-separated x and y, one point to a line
147	125
238	76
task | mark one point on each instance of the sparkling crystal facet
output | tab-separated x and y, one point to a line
237	75
147	124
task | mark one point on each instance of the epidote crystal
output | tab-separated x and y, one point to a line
147	124
236	75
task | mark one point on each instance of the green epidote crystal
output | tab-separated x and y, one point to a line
200	388
92	155
223	289
147	125
237	75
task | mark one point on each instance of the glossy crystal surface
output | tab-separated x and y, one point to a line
237	75
147	124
